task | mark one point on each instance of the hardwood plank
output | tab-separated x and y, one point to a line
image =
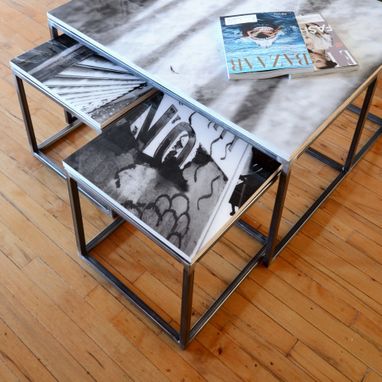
244	367
13	248
367	322
370	174
32	30
100	330
164	355
254	369
17	152
51	353
19	359
5	373
360	200
358	282
144	336
369	327
374	156
317	366
36	213
280	366
333	328
52	316
336	355
104	302
32	237
344	216
366	245
298	305
11	108
256	272
346	251
332	222
243	362
372	377
315	291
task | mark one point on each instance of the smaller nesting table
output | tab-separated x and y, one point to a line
179	200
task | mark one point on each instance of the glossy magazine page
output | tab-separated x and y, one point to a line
326	49
263	42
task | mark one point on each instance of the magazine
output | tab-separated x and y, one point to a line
327	51
95	89
264	45
171	168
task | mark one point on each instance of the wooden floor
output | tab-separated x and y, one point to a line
315	314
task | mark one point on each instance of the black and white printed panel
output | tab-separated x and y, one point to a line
179	45
174	170
96	89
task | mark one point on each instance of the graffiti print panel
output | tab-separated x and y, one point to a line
168	166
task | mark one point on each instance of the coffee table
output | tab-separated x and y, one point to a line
176	47
183	203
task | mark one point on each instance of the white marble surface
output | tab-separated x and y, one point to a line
178	44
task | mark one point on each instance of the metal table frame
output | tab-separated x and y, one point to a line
186	332
38	149
274	247
271	247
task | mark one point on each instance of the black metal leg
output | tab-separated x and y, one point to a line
38	148
273	248
203	320
360	125
78	225
26	114
69	118
186	308
277	214
53	31
84	249
186	332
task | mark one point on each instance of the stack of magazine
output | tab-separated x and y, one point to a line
273	44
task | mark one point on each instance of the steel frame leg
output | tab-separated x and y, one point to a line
53	31
78	225
277	214
38	148
69	118
360	125
183	336
186	332
26	114
186	305
273	247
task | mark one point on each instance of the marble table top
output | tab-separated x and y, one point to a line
178	45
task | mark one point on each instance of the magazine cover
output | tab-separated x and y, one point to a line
326	49
263	45
96	89
170	167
